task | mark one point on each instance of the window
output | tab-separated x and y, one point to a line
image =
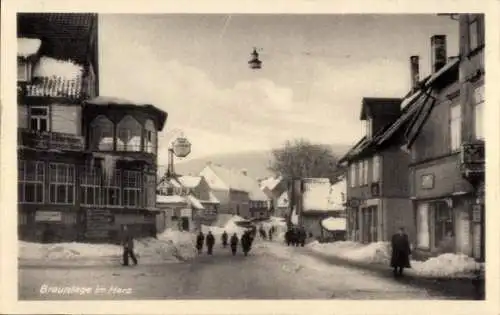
376	169
129	135
131	188
150	137
101	134
22	219
365	172
443	231
111	190
360	173
473	33
150	191
24	71
90	186
455	127
39	118
478	111
353	175
61	183
368	128
31	177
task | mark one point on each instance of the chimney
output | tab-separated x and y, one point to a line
414	72
438	52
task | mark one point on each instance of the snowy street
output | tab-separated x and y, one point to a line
272	271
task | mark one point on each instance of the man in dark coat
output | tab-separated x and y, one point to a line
200	238
401	251
128	247
302	235
246	243
224	239
288	237
210	240
233	242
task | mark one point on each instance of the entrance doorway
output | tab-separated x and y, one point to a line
185	223
370	231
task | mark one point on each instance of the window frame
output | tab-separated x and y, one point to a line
126	147
360	173
95	184
457	123
479	103
39	118
150	137
149	194
67	183
114	185
368	128
376	162
353	175
132	187
97	126
365	171
39	184
474	33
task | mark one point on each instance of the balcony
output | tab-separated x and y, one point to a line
50	140
472	160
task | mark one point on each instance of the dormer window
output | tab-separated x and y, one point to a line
368	128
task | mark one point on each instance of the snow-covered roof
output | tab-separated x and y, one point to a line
212	198
336	198
316	194
195	202
64	69
237	180
170	199
270	182
334	224
28	46
189	181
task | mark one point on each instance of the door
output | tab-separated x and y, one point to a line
185	223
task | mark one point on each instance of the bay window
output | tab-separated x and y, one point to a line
478	111
129	135
61	183
39	118
101	134
455	127
90	186
31	177
131	188
150	137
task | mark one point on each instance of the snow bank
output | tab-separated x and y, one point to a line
334	224
170	246
446	265
28	46
50	67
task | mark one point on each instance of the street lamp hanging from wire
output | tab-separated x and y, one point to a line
254	62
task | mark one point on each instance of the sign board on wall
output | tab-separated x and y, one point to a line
48	216
186	212
427	181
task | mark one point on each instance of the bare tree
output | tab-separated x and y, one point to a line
300	158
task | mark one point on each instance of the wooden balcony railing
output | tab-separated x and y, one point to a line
50	140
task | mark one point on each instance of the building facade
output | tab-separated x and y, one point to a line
86	164
377	177
447	151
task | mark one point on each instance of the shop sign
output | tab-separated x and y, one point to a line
427	181
48	216
181	147
186	212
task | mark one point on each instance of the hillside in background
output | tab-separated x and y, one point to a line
254	162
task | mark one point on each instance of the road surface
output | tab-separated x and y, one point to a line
261	275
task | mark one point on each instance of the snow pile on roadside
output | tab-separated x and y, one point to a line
73	250
446	265
372	253
170	246
230	227
334	224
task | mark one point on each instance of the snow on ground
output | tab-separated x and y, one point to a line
445	265
334	224
230	227
170	246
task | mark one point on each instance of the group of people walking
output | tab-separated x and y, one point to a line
209	240
267	235
295	236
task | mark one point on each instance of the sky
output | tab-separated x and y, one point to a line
316	70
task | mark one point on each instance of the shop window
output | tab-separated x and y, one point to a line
111	190
61	183
443	226
455	127
39	118
150	137
131	188
129	135
31	177
478	111
423	239
90	186
101	134
150	191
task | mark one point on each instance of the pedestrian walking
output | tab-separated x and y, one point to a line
200	238
246	243
400	257
302	235
271	234
234	243
128	247
288	237
210	241
224	239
